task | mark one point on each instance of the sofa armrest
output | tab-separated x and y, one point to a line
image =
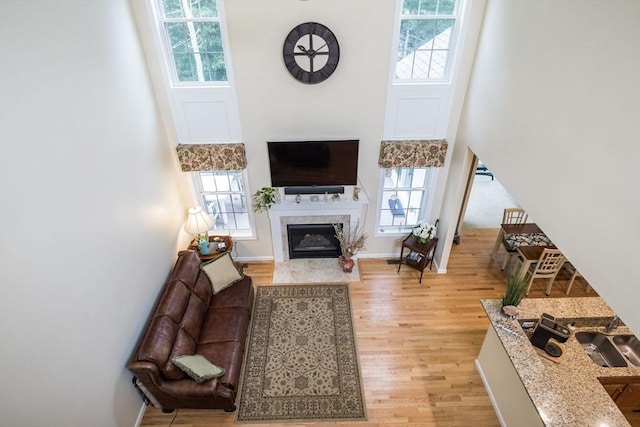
141	367
169	392
190	389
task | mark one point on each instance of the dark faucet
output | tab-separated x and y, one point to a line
615	322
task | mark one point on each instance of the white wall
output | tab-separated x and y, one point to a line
90	212
553	109
273	105
351	103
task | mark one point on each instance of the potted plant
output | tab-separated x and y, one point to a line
424	232
513	295
264	198
350	244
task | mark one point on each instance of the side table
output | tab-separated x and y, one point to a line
420	255
213	254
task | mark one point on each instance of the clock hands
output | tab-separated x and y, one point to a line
309	52
312	52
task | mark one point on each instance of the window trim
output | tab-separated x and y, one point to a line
167	54
425	209
198	190
448	75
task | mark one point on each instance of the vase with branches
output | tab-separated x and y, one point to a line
350	243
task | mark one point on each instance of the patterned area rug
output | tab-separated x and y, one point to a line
302	363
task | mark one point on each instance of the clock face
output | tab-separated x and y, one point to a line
311	52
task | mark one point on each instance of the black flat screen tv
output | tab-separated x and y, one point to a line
313	163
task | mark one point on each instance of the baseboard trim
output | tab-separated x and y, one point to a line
394	255
140	416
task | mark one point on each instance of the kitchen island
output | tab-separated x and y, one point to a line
529	390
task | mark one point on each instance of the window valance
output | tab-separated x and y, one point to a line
209	157
412	154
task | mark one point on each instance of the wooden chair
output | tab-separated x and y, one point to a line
547	267
509	216
514	216
574	273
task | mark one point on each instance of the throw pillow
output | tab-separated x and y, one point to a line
198	367
222	272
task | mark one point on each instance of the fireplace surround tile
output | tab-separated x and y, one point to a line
311	211
316	219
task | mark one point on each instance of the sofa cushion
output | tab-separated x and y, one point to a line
158	341
222	272
238	295
186	268
164	340
224	324
193	317
198	367
228	355
174	301
183	344
203	287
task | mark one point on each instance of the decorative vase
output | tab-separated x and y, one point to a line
204	246
422	240
347	264
510	311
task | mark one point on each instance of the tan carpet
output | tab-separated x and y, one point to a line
302	363
486	203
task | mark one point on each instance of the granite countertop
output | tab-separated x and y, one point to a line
566	393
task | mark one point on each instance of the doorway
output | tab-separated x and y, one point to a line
484	200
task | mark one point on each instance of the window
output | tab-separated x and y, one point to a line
404	198
224	197
193	39
425	40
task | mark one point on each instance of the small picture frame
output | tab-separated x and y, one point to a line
221	246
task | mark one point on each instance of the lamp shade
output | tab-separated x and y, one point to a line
198	221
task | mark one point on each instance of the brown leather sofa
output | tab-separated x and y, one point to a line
190	319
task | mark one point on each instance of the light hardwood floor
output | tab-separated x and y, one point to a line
417	343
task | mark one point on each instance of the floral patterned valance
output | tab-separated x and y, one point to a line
211	157
412	154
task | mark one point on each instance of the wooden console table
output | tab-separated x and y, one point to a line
213	254
420	255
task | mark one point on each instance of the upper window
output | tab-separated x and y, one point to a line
223	195
426	39
404	199
194	40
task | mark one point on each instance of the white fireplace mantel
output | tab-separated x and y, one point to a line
320	211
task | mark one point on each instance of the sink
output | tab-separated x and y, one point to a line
601	349
629	346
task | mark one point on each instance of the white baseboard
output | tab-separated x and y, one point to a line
253	258
361	256
394	255
140	415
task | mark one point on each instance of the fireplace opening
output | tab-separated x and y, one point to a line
312	241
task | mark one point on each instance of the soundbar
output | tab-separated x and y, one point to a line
315	189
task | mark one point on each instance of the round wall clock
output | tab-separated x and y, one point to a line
311	52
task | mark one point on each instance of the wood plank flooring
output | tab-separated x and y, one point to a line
417	343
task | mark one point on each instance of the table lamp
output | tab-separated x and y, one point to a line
198	223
